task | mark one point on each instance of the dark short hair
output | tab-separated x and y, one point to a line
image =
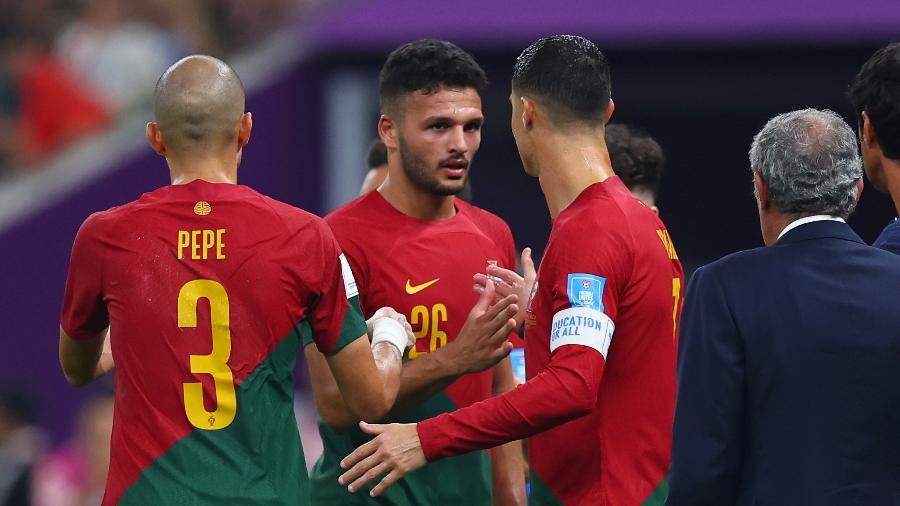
425	66
377	154
876	90
636	157
568	74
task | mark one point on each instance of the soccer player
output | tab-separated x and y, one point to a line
414	245
601	325
378	169
638	161
875	93
209	289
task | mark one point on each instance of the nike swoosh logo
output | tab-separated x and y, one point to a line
412	290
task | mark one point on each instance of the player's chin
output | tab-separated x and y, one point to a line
449	186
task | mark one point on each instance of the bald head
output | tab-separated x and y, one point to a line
198	104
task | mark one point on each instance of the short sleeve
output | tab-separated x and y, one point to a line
335	317
84	313
585	278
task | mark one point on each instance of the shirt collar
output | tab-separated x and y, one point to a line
809	219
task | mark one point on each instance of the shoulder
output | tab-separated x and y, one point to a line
483	219
358	209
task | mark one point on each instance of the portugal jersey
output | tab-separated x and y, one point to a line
424	270
600	341
208	290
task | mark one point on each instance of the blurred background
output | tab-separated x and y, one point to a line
701	76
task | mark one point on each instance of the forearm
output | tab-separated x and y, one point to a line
389	363
85	360
566	390
424	377
508	469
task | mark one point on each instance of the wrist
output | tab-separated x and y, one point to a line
387	330
451	361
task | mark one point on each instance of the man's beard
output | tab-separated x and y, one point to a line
425	179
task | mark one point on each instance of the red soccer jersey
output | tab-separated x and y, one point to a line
209	290
424	270
600	345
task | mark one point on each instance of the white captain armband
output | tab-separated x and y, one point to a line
582	325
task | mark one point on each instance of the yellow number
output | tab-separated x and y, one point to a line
214	364
428	322
676	292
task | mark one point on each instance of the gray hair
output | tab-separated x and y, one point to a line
809	161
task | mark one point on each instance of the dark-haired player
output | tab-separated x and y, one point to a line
378	167
209	288
875	93
413	244
638	161
601	324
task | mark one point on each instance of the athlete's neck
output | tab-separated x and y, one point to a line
213	170
891	169
568	164
414	202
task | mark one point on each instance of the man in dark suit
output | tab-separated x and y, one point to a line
789	358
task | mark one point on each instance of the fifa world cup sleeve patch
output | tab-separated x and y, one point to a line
349	280
585	290
582	325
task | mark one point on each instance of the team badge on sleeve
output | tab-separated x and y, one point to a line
585	290
349	280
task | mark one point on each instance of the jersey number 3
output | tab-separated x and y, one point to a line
214	364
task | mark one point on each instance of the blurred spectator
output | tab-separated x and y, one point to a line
52	108
378	167
116	53
21	444
76	474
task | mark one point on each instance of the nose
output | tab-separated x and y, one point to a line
458	140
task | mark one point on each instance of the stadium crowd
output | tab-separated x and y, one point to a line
70	68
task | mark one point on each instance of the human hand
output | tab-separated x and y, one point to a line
393	453
507	282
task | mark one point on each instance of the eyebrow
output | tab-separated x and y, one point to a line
447	119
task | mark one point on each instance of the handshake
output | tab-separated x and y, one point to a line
483	339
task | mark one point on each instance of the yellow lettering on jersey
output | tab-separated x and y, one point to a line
667	243
200	244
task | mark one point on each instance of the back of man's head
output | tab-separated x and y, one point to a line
809	162
876	91
198	104
636	158
425	66
568	75
377	156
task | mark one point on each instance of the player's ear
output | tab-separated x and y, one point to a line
869	139
245	129
610	108
154	138
528	112
859	189
387	131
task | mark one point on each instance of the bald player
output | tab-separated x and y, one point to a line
210	288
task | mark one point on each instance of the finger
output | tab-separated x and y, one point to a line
501	288
358	454
508	276
484	302
386	482
527	263
478	289
491	314
375	469
501	352
373	428
506	326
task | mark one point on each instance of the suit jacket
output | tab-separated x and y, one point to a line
789	376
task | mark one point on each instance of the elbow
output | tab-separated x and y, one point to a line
582	396
339	422
77	378
374	408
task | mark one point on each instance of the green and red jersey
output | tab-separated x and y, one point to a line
424	270
209	290
600	340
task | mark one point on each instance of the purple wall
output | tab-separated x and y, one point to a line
282	160
378	24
